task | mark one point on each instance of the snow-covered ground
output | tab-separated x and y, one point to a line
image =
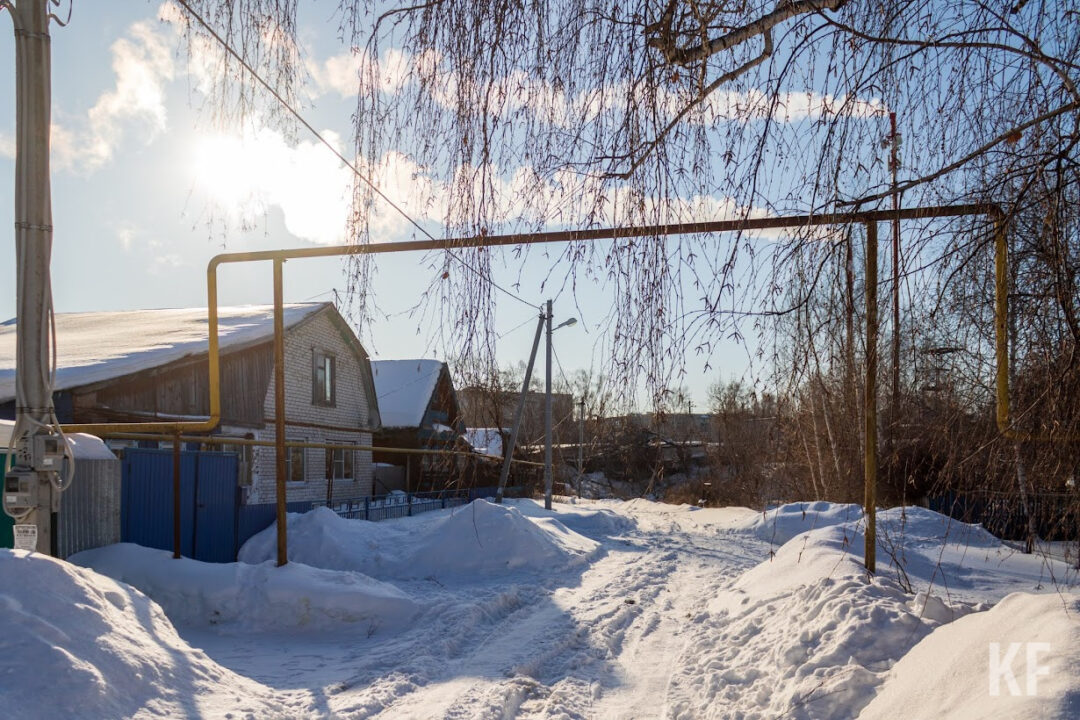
597	609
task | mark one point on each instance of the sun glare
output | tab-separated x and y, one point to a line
222	169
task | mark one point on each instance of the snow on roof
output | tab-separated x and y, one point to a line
486	441
84	446
404	389
96	346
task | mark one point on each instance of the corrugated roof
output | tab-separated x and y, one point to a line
404	389
97	346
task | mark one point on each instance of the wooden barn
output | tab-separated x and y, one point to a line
419	410
152	365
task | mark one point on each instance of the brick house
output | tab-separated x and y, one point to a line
152	365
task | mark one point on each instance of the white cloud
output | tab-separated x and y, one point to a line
142	63
7	146
126	233
165	263
347	72
246	176
787	107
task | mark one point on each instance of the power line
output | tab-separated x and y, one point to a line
558	364
367	181
517	327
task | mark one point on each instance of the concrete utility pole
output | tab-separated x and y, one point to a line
508	452
31	493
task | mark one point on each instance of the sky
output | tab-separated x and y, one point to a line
146	191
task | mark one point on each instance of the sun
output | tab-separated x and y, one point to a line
225	169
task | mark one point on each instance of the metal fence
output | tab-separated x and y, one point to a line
399	504
1056	515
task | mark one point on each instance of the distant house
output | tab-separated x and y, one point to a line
419	411
485	407
152	365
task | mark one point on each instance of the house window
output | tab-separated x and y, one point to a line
294	465
339	464
323	379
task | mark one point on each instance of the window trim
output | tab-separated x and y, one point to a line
340	458
289	464
326	363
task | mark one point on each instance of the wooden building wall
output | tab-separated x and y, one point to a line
183	389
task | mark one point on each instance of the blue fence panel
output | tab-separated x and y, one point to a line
217	500
208	502
146	507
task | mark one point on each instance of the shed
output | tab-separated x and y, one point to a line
419	411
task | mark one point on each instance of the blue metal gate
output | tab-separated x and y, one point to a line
209	502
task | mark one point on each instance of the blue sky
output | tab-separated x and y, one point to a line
145	192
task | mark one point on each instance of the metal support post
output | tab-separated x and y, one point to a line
870	453
547	417
176	495
581	448
279	412
894	164
508	452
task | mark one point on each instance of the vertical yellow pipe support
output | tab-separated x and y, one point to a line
1001	316
870	452
176	495
213	348
279	411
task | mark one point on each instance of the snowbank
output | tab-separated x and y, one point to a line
807	634
948	674
485	539
818	651
76	644
920	549
780	524
467	544
258	597
588	520
320	538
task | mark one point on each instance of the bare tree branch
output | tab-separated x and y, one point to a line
664	40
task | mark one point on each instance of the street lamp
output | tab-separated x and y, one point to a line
564	323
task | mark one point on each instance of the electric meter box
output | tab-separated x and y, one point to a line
48	453
20	490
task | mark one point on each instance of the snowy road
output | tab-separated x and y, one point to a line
598	643
594	610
